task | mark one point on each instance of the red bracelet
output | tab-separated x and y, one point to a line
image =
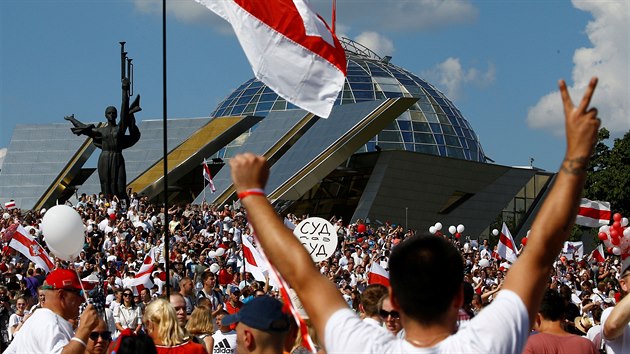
253	191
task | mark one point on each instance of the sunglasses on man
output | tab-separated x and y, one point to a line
105	335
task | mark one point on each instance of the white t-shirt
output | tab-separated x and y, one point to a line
506	318
620	345
15	320
224	343
44	332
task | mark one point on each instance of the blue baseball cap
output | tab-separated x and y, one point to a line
263	313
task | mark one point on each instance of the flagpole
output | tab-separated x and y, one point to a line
204	179
165	152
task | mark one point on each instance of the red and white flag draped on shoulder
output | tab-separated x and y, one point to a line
22	242
290	48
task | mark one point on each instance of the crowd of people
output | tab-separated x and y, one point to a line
445	292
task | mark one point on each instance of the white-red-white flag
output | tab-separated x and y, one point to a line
143	278
598	254
378	275
254	261
208	176
10	205
593	213
290	48
26	245
506	247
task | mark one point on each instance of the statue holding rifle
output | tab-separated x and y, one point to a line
112	138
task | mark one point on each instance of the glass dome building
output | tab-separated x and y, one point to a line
433	125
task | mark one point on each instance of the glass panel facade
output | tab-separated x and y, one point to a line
433	125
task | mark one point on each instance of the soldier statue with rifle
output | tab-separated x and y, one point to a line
112	138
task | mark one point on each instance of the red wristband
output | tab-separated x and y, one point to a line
253	191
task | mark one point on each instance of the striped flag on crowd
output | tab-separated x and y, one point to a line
26	245
10	205
378	275
598	254
290	48
142	279
254	262
507	248
593	213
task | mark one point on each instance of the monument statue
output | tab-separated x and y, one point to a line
112	138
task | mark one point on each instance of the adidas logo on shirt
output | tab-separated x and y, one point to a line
223	347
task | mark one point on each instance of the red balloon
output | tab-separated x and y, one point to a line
615	241
609	250
602	236
524	241
361	228
614	233
458	235
617	217
616	225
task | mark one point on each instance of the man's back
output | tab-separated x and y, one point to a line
547	343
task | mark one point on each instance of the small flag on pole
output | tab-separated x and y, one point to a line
593	213
10	205
290	48
506	247
26	245
208	176
598	254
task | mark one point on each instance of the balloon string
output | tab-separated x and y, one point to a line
80	282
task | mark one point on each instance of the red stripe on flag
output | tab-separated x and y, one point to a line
284	17
27	243
249	256
598	214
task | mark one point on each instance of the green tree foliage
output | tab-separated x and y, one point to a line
609	173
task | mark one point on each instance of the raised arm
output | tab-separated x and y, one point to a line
319	296
529	275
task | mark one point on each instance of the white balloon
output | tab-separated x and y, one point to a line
438	226
220	251
616	251
495	232
432	230
606	229
6	216
624	222
483	263
154	219
626	232
90	228
212	254
452	229
63	231
602	228
214	268
460	228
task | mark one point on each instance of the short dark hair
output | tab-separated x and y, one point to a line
552	307
419	264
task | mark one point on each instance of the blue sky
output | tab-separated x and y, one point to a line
498	61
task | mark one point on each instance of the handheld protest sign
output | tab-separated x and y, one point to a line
318	237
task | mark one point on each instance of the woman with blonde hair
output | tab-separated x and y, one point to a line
160	321
201	326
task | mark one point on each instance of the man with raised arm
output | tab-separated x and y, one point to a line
420	263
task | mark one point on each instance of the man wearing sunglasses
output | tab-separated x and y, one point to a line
48	330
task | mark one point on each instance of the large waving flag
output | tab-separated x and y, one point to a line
507	248
593	213
26	245
573	250
290	48
378	275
